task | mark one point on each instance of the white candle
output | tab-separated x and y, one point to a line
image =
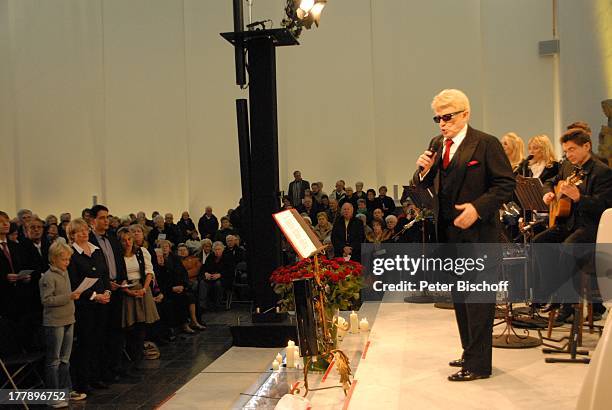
275	365
364	325
279	358
257	310
290	354
296	357
354	319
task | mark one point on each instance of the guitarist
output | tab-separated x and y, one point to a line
590	197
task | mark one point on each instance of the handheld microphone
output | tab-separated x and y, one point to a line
435	145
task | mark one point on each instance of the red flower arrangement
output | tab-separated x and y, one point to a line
341	279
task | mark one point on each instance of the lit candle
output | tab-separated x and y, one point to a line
279	358
354	319
364	326
257	310
290	354
277	309
275	365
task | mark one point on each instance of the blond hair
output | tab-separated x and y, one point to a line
543	142
75	225
451	97
57	249
517	148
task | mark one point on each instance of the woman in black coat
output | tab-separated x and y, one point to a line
91	308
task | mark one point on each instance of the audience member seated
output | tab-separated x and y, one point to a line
362	208
339	193
359	194
226	229
161	231
387	203
391	224
208	224
186	226
378	234
174	284
323	228
333	212
371	201
348	234
308	207
216	274
366	228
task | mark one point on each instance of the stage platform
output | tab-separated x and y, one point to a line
401	363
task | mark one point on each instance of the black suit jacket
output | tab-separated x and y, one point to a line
482	176
293	185
352	235
15	298
117	252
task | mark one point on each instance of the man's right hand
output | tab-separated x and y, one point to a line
426	161
11	277
548	197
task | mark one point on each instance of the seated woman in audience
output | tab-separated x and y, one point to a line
324	227
224	230
216	274
206	249
92	312
138	305
543	165
378	234
333	212
186	227
174	282
192	265
372	202
286	203
58	320
391	224
514	149
160	232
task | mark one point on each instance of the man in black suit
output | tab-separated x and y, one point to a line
590	198
110	363
348	234
36	251
472	178
208	224
297	189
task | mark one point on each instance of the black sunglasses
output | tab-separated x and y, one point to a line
446	117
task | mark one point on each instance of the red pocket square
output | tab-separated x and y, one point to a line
472	163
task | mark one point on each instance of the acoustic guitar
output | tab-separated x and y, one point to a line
561	205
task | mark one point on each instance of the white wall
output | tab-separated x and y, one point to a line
134	100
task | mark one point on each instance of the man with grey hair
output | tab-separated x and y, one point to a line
471	177
297	189
23	219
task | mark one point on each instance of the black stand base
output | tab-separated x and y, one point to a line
263	334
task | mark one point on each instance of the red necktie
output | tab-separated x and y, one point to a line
5	250
446	160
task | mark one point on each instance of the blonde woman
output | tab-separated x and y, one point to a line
91	314
543	164
514	149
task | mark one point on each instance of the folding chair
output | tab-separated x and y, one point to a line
240	285
17	364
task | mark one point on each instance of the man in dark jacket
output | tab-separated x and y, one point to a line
297	189
348	234
471	177
208	224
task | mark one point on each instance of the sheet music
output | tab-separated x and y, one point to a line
298	237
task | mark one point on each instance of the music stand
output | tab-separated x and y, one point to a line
529	193
423	199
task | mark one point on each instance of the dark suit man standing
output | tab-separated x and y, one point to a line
472	178
110	363
348	234
297	189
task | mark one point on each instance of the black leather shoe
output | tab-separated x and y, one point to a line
456	363
466	376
